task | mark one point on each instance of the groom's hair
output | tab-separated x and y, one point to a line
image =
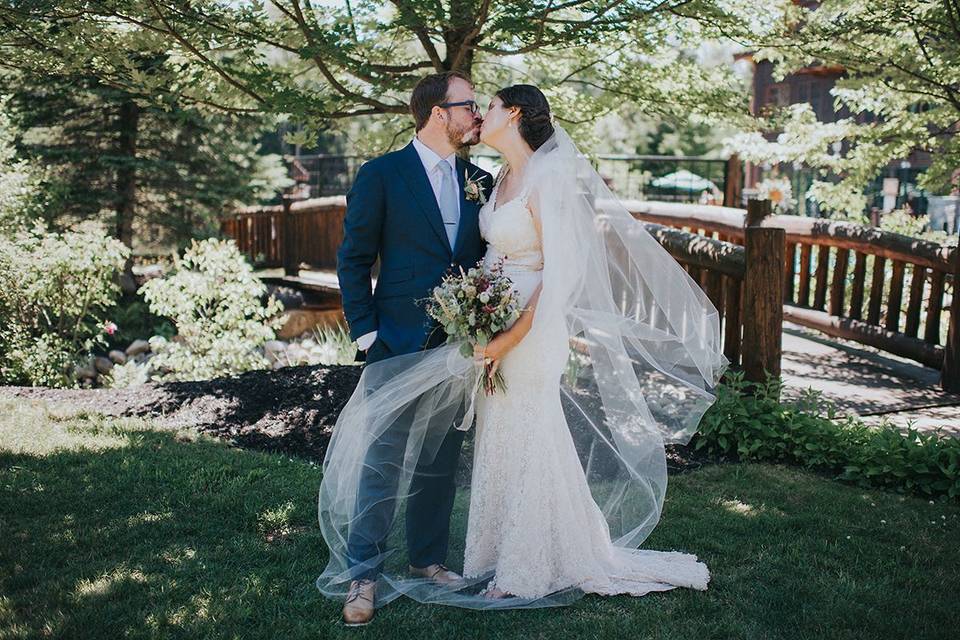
430	91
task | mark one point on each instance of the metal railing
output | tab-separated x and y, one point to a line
691	179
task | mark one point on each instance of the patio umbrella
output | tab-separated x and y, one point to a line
684	180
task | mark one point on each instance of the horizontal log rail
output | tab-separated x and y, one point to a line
891	291
306	234
742	284
874	287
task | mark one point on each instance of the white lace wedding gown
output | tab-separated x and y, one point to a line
532	520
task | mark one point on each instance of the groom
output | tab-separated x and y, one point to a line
409	208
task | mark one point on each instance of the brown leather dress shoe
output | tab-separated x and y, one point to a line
358	609
437	573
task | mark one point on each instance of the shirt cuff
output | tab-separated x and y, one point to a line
366	340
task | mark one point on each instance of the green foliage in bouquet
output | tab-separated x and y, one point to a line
473	307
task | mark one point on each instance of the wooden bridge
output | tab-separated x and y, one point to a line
876	310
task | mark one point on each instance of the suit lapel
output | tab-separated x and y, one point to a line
414	174
468	209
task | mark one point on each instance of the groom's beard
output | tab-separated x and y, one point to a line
461	137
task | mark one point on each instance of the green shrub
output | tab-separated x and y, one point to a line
134	321
757	426
333	345
57	290
213	299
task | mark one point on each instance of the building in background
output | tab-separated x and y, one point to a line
895	188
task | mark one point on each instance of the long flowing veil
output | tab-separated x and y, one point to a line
644	356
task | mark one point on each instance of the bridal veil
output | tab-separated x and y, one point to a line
644	356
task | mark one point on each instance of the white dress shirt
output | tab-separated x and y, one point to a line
431	160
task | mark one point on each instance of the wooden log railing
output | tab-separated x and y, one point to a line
293	235
843	279
883	289
737	279
743	286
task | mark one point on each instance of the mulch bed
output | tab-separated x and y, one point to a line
291	410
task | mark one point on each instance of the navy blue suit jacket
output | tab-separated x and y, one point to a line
393	214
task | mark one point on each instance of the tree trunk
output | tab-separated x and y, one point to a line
127	185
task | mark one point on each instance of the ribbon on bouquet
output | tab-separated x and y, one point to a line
463	366
471	391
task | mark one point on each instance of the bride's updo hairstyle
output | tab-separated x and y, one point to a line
535	123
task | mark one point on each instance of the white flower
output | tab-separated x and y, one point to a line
472	188
779	192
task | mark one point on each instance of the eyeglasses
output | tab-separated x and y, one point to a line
472	105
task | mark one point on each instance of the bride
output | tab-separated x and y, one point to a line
614	355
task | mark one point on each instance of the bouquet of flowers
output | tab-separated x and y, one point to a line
473	306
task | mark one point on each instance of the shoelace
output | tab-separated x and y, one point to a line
356	591
440	568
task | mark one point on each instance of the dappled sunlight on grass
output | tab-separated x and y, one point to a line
104	584
147	517
735	506
163	535
32	428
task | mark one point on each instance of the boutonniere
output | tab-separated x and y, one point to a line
472	189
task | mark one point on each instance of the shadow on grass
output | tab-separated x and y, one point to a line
155	535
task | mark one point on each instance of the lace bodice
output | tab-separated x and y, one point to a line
511	233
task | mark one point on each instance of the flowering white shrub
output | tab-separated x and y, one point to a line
128	374
780	194
899	221
213	298
57	288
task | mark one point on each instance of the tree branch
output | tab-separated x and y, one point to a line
223	74
423	36
301	22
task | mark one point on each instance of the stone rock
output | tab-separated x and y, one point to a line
137	347
274	350
118	357
103	365
87	372
297	354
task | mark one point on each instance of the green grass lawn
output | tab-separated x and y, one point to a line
110	528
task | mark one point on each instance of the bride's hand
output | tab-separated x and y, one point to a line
495	350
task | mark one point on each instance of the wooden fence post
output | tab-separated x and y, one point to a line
732	178
288	257
950	374
757	210
762	295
